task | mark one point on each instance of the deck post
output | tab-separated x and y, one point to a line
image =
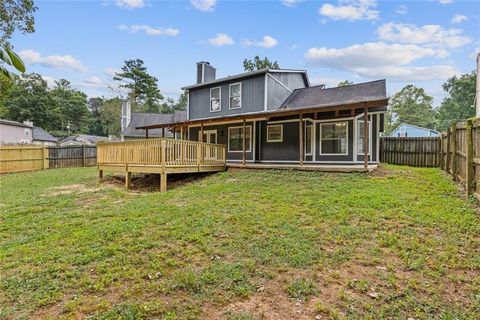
244	155
454	151
300	134
128	179
100	174
181	133
200	138
163	182
365	138
163	132
146	133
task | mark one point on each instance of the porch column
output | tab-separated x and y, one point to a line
163	132
200	138
181	133
146	133
300	134
365	138
244	155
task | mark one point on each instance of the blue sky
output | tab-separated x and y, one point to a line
419	42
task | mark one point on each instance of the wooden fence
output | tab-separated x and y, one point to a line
30	157
456	151
418	152
72	156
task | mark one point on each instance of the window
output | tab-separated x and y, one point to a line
27	132
361	134
333	138
215	99
275	133
308	140
235	139
235	95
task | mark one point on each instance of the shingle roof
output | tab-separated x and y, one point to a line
140	119
317	96
41	135
84	137
14	123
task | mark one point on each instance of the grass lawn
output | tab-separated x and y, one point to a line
398	243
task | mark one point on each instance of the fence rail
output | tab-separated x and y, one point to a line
30	157
418	152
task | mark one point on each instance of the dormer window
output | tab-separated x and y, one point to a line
215	99
235	95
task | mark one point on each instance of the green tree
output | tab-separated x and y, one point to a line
111	115
410	105
29	98
458	106
95	105
345	83
73	106
257	64
143	88
182	102
15	15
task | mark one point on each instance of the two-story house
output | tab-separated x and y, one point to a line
276	117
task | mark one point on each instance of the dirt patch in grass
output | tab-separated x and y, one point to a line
151	182
72	188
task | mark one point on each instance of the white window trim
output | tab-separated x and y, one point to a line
281	132
220	99
321	138
249	149
311	139
207	132
369	136
230	95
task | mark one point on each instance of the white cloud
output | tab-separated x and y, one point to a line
431	35
222	39
54	61
401	9
148	30
351	10
92	83
267	42
291	3
458	18
130	4
111	71
378	60
204	5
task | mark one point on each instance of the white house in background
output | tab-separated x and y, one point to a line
409	130
13	132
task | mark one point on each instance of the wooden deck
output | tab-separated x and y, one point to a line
164	156
306	167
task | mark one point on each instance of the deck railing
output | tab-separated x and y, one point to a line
160	152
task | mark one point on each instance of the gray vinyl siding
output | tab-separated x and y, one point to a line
287	150
276	93
222	138
253	93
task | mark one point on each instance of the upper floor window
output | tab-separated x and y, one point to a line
235	95
215	99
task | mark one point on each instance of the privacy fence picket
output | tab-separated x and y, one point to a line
456	151
30	157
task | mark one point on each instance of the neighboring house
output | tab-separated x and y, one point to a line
82	139
41	136
13	132
131	120
276	116
409	130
